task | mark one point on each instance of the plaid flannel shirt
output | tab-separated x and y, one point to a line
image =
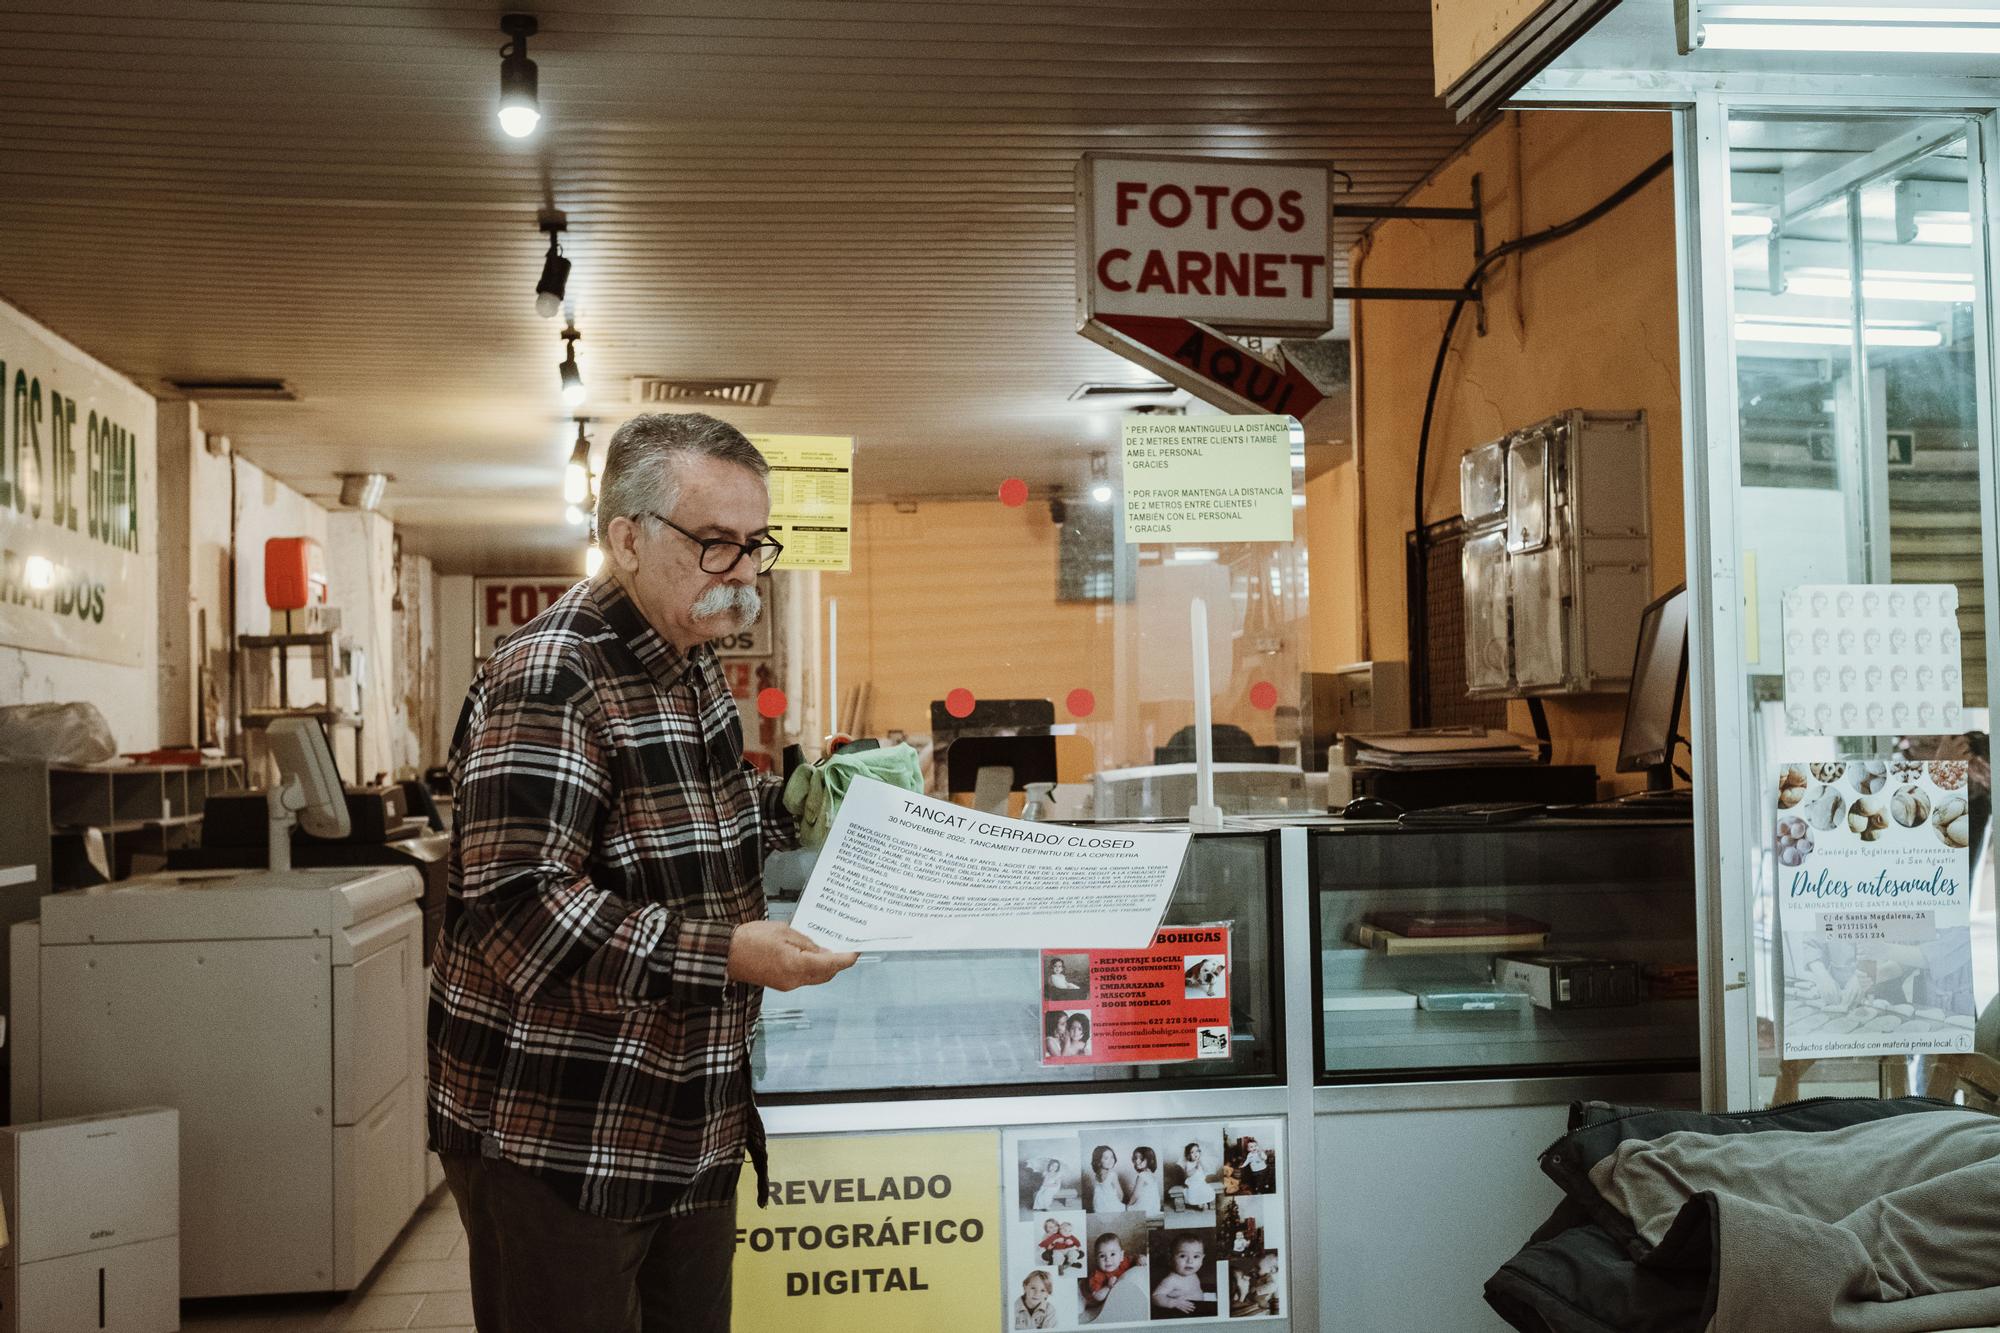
608	838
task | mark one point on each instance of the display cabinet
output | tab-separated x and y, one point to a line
903	1024
1526	949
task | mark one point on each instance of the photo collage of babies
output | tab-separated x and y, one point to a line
1115	1225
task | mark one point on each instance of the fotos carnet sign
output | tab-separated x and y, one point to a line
1237	245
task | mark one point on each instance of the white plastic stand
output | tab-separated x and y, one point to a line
282	802
1204	813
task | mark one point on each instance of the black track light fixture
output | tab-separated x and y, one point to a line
572	378
576	476
520	98
555	275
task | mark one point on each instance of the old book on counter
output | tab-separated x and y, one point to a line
1393	943
1449	922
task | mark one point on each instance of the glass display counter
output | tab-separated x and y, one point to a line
1521	949
960	1021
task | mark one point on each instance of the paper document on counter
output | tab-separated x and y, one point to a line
903	873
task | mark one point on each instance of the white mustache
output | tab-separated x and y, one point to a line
740	600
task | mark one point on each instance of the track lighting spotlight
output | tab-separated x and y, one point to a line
576	476
520	102
555	277
572	378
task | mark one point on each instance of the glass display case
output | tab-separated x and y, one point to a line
1529	948
899	1024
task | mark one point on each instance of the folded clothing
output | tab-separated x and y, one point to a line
814	791
1860	1215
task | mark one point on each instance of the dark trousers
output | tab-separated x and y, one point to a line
539	1265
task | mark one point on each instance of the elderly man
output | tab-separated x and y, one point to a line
605	945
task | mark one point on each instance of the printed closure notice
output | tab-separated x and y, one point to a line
902	872
1208	479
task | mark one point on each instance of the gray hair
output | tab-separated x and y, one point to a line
643	466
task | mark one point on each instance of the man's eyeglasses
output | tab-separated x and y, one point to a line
719	555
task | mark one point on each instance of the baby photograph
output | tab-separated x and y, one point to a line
1066	976
1115	1287
1184	1273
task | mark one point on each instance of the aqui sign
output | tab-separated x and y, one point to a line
1175	252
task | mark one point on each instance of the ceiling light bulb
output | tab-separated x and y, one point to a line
555	281
593	560
1101	493
576	474
519	121
572	377
520	100
39	573
573	516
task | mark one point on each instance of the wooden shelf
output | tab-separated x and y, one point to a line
261	717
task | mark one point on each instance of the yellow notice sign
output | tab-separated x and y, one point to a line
873	1233
1208	479
812	497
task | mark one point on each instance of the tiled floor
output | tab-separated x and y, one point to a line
421	1283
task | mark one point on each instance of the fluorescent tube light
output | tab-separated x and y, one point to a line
1885	285
1751	224
1931	30
1195	556
1833	333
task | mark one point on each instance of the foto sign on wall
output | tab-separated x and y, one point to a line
1241	246
502	605
76	490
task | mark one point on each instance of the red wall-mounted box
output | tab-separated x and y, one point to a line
294	573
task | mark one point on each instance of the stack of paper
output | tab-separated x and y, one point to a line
1445	747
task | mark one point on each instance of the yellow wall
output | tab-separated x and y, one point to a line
1463	31
951	594
961	594
1590	321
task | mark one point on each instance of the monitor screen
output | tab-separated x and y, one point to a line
1659	669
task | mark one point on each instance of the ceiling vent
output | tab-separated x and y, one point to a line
238	389
689	393
1091	393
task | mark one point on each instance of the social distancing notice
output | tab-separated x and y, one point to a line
1208	479
880	1233
812	498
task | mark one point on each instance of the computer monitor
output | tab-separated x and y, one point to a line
1653	708
1025	759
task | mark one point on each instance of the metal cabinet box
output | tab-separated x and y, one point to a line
1557	562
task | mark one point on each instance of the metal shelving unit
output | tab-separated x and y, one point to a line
266	666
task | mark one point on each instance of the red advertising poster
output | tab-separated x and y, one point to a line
1123	1006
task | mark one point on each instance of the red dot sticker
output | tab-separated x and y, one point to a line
1013	492
772	703
1081	703
1264	696
959	703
